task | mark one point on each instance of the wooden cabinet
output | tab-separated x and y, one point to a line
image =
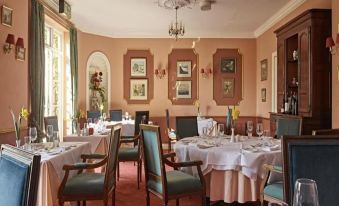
304	68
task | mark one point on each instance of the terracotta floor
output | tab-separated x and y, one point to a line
127	193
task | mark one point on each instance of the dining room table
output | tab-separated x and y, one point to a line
232	167
52	161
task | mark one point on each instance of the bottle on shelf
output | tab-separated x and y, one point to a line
282	110
286	105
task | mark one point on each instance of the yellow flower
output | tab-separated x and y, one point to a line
82	114
101	107
24	113
235	113
197	103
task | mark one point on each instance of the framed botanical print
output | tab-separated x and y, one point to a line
6	16
228	65
138	67
263	95
183	89
228	87
263	66
184	69
138	89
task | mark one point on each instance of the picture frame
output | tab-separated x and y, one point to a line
228	87
228	65
138	89
183	89
263	95
264	69
6	16
138	67
184	68
20	54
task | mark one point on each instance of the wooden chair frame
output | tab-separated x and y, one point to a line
168	131
268	170
326	132
164	159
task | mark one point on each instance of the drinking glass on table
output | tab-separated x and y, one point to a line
27	144
249	128
204	131
104	116
305	193
260	129
49	133
85	129
33	134
56	139
221	129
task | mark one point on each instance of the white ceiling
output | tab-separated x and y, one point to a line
145	19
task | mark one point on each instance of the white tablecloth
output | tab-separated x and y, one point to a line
127	128
99	143
51	173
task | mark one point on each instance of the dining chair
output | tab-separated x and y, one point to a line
19	176
133	154
51	120
312	157
93	114
92	186
172	137
186	126
288	126
116	115
326	132
167	185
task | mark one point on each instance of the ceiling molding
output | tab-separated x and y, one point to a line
283	12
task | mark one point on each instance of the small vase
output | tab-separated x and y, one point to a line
18	141
232	135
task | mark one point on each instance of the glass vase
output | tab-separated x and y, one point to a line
232	135
17	142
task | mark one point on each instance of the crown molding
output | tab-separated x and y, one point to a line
283	12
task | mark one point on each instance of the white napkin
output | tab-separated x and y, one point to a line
272	148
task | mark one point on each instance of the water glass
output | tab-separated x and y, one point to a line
221	129
27	144
85	129
249	128
49	133
305	193
260	129
56	139
104	116
95	121
33	134
89	121
204	131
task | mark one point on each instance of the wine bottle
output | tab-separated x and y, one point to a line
286	105
282	110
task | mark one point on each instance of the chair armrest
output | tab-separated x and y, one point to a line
182	164
168	155
83	165
273	168
92	156
267	170
130	140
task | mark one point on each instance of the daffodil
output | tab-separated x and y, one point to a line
24	113
17	122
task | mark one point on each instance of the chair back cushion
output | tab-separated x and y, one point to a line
51	120
186	127
93	115
19	176
151	142
140	117
288	126
113	149
312	157
116	115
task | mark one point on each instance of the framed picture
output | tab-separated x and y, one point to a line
228	65
6	16
263	66
184	69
20	53
138	89
228	88
138	67
263	95
183	89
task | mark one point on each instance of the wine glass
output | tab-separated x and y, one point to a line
33	134
260	129
56	139
249	128
49	133
204	131
221	129
104	116
305	193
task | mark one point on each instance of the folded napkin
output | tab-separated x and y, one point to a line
204	145
272	148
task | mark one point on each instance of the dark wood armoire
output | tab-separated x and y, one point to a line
304	69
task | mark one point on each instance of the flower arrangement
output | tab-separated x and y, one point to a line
235	115
95	81
23	114
197	105
79	115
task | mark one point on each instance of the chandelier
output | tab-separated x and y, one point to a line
176	29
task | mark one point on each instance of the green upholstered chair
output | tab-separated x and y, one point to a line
92	186
19	176
312	157
167	185
186	126
271	191
289	126
93	115
115	115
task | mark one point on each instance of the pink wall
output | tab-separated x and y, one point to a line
267	44
116	48
13	73
335	63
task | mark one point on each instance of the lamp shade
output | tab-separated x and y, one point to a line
10	39
337	39
329	42
20	43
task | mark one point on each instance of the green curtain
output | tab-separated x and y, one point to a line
74	70
37	64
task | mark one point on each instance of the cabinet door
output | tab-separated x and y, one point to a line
280	73
304	73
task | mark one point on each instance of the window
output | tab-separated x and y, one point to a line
58	100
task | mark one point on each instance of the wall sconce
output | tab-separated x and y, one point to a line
330	44
9	43
160	73
205	73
